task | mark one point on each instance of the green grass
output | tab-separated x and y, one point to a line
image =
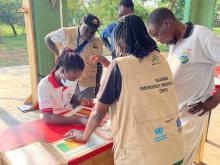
11	42
6	30
216	31
14	43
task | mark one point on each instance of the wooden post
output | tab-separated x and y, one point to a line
27	10
41	17
201	148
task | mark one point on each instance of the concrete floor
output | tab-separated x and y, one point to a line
15	88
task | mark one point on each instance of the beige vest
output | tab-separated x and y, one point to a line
146	129
95	47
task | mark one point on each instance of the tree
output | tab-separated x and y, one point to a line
76	11
106	10
9	13
177	6
217	14
141	9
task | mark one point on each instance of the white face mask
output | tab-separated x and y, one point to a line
68	83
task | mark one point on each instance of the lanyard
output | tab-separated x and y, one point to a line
81	46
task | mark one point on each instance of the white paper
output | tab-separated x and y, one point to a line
71	113
33	154
25	107
75	110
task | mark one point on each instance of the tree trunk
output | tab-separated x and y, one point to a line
173	4
1	40
13	28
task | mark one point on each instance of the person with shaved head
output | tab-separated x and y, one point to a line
194	53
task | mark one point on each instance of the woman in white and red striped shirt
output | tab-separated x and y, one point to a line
56	92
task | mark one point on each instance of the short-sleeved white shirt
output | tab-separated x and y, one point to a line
54	97
57	36
192	61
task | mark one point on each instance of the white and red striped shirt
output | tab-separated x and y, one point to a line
54	97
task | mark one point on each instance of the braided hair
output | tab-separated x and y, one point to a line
132	30
70	61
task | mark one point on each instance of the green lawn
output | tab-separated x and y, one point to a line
11	42
14	43
216	31
6	30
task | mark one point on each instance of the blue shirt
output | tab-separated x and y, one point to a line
108	33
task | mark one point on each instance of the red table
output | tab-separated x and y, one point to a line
38	130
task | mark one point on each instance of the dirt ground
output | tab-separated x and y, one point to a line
15	88
13	58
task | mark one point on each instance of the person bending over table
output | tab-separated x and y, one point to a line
56	90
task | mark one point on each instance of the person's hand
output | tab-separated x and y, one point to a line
76	135
101	59
205	107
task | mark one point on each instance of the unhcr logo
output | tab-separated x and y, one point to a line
159	134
